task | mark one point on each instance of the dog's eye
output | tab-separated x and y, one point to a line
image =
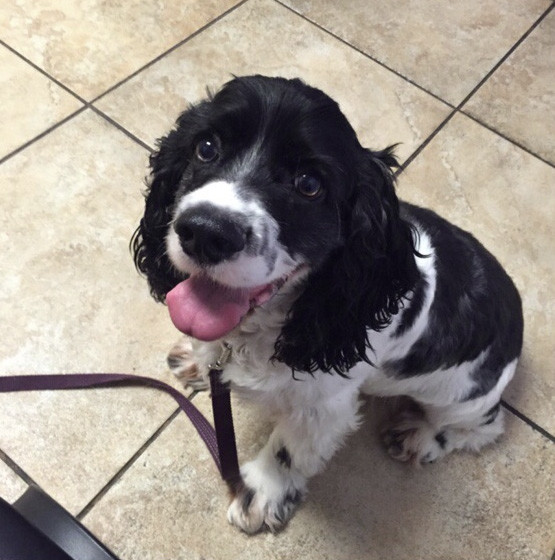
308	185
206	150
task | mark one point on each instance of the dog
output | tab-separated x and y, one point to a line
267	225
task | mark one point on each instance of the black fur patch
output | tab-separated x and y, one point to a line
441	439
283	457
247	500
409	315
284	507
491	414
476	307
174	361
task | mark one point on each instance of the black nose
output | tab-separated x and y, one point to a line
210	234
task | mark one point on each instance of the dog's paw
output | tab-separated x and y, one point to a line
184	363
408	436
262	502
418	444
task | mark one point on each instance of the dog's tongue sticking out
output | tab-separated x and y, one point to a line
205	310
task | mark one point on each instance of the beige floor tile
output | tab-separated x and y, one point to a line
29	102
71	300
383	108
170	504
89	45
11	486
446	47
519	99
504	196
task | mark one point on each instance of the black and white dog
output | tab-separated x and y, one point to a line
267	225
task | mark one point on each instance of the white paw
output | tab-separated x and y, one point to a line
264	500
183	361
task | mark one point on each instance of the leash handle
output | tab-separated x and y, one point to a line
226	461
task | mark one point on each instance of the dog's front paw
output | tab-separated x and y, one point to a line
263	500
187	363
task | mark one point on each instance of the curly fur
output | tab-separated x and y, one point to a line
361	284
263	188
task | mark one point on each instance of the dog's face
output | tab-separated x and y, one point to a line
260	186
269	173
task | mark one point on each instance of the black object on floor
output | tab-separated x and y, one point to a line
36	527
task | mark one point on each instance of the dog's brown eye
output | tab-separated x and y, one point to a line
206	150
308	185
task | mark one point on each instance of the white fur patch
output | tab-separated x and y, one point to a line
267	262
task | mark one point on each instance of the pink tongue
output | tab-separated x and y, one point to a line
206	310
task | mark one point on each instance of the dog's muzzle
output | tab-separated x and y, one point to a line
211	235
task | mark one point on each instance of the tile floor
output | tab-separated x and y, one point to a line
86	88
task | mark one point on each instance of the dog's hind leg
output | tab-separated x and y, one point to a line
423	433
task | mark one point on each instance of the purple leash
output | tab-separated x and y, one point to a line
220	442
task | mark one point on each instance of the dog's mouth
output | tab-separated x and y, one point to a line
206	310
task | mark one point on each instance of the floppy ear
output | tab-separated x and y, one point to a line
360	285
148	244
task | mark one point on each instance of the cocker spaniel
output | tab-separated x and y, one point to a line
267	225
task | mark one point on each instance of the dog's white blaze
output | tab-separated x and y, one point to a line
246	268
246	163
223	194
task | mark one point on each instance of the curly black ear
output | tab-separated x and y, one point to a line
360	285
167	164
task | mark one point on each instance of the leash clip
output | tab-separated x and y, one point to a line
219	364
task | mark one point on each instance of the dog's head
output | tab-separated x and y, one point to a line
265	185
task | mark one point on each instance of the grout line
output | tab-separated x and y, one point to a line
504	58
459	108
507	138
431	136
42	134
456	109
16	469
121	128
365	54
126	466
528	421
170	50
43	72
89	104
85	107
423	145
131	461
